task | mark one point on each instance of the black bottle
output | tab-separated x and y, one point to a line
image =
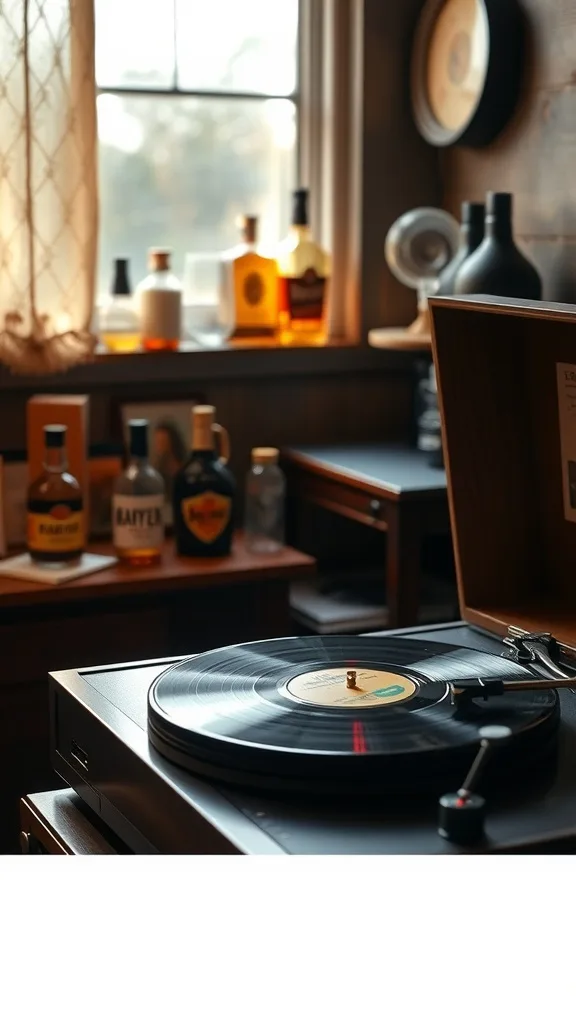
498	267
203	492
473	215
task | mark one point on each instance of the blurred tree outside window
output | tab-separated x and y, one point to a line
197	124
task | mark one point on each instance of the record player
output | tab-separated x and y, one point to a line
454	738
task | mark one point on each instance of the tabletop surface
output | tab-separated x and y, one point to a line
173	573
396	470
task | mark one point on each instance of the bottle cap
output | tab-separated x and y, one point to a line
54	435
159	258
120	277
498	204
249	227
138	441
300	210
265	456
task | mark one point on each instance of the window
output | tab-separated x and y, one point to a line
197	121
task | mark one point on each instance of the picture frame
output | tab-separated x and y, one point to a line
105	464
169	436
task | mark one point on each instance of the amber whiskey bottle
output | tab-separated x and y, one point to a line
204	489
304	272
55	521
249	287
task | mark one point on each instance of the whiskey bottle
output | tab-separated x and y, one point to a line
119	324
204	491
249	287
55	520
304	269
138	504
160	305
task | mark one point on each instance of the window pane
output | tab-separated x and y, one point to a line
135	43
237	45
179	171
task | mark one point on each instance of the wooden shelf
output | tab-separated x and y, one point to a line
173	573
236	360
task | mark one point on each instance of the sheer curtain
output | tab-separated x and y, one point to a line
48	183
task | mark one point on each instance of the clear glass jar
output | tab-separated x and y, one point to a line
160	305
265	500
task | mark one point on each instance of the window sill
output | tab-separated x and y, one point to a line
246	358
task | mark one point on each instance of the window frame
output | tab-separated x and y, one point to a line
325	105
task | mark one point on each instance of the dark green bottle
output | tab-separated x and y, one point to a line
203	492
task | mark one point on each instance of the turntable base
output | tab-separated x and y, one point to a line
100	747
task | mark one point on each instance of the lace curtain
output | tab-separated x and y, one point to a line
48	183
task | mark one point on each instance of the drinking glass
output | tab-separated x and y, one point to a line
203	320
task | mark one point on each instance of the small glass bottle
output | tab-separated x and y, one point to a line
138	504
265	498
248	287
55	520
160	305
304	271
119	323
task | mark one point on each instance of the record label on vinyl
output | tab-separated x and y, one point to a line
374	688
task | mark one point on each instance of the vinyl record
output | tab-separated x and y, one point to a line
278	714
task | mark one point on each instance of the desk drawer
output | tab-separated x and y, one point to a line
342	499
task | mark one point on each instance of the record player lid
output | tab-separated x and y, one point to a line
506	372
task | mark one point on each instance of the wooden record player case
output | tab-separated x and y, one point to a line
497	364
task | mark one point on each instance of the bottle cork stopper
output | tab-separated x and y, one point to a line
249	226
203	413
159	259
265	456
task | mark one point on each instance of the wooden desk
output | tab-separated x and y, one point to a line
390	488
181	606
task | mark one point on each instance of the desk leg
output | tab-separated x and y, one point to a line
403	565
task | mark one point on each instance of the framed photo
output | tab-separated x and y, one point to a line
169	437
105	464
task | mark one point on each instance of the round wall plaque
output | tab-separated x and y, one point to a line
466	69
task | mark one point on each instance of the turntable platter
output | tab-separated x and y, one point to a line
340	714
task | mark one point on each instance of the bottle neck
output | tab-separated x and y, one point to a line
55	460
473	235
499	227
300	232
203	438
138	461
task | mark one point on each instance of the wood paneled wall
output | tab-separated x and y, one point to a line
356	406
535	156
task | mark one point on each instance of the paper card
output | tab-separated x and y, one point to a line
22	567
567	413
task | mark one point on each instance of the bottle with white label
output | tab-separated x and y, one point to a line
160	305
138	504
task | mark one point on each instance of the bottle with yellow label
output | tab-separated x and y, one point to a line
203	492
55	507
249	287
304	277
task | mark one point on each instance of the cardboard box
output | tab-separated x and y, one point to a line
72	411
